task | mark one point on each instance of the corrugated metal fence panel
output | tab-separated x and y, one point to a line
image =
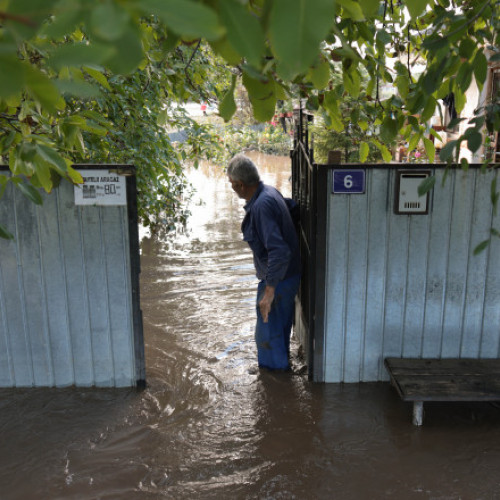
410	286
65	293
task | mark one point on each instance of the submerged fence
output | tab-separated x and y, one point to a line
69	285
380	281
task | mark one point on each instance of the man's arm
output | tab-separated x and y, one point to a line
266	302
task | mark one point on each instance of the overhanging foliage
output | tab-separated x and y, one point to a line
56	51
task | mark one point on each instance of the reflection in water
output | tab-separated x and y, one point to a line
207	427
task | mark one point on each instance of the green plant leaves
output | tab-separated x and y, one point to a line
98	76
262	94
388	129
128	53
66	16
244	32
26	16
227	107
426	185
386	154
430	150
109	21
481	247
416	7
296	28
319	74
352	81
4	233
43	90
11	75
364	149
331	104
352	9
80	54
447	151
185	17
369	7
29	191
225	50
474	139
53	158
480	66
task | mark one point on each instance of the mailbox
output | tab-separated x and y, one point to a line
407	199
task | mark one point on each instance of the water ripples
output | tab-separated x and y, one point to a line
209	426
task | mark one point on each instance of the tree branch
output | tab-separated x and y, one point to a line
193	54
19	19
470	21
377	97
409	46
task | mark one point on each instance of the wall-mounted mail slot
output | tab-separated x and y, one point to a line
407	199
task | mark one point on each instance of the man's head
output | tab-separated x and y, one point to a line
243	176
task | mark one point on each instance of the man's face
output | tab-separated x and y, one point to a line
237	186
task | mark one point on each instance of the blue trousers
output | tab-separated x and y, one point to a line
273	337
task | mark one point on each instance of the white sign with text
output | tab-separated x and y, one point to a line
101	187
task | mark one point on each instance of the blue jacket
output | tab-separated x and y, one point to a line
268	229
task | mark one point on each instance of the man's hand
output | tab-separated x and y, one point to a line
266	303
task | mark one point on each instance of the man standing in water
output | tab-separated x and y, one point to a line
269	231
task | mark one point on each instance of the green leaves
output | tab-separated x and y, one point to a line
319	74
30	192
51	157
430	150
296	29
426	185
127	55
480	66
109	21
353	9
447	151
4	233
24	17
331	104
227	107
386	154
364	149
481	247
416	7
80	54
67	15
61	61
474	139
244	31
389	129
12	75
369	7
185	17
262	94
352	81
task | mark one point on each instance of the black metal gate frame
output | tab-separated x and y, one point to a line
308	190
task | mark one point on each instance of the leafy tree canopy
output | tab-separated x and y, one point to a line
56	56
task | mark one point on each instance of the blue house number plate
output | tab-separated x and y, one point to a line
349	181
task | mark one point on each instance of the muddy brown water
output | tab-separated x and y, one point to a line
208	427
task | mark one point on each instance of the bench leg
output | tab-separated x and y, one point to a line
418	412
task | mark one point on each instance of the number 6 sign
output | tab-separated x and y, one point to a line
349	181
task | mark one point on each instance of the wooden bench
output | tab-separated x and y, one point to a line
421	380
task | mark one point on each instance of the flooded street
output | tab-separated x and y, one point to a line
209	426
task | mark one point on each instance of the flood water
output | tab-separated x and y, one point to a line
209	426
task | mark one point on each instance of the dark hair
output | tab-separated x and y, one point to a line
243	169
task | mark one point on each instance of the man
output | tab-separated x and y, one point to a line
269	231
